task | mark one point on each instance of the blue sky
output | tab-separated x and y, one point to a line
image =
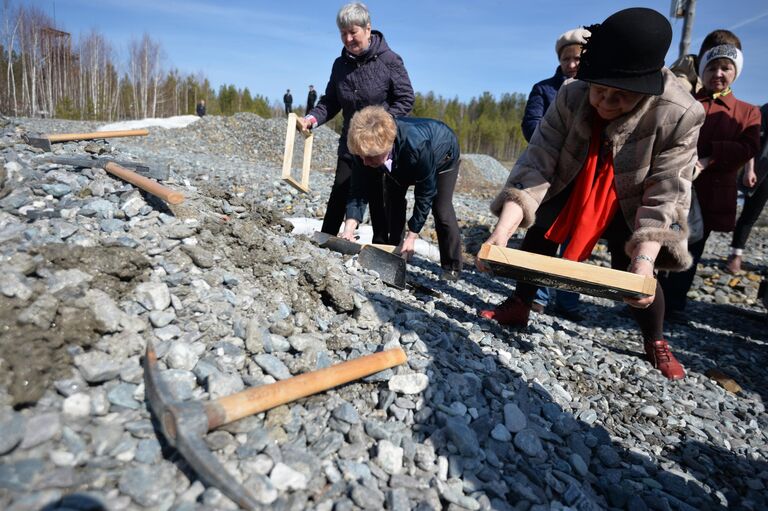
451	47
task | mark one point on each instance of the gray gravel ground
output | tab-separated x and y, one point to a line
561	415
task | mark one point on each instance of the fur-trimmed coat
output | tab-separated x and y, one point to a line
654	152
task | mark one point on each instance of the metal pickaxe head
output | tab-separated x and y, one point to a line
44	141
37	140
185	424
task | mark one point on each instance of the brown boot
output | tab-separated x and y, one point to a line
733	265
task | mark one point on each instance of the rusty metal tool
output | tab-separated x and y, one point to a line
379	258
155	170
44	141
148	185
184	424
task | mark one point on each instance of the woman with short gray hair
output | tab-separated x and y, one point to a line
366	73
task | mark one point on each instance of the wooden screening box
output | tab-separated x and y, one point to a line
290	137
564	274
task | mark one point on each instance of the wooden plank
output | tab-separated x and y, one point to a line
290	138
564	274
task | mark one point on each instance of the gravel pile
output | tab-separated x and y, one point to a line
561	415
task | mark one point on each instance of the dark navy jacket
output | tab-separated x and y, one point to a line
377	77
423	149
541	96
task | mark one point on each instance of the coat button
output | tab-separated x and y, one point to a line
519	186
675	227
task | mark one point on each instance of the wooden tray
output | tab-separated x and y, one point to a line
559	273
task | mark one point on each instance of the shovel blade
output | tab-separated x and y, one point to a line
390	267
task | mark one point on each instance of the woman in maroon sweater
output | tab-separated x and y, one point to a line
729	138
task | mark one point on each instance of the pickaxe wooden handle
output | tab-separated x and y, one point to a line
265	397
146	184
66	137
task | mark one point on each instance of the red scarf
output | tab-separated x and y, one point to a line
591	204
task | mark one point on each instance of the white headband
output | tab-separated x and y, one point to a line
724	51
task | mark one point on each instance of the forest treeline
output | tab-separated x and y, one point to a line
44	72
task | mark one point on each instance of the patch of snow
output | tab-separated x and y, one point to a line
179	121
309	225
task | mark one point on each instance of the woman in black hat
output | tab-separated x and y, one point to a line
612	158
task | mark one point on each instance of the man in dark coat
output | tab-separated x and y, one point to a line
288	101
408	151
200	108
311	98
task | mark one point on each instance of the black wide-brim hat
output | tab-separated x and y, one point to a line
627	51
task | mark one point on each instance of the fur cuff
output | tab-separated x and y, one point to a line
522	199
673	255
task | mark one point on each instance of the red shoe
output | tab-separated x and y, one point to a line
662	359
511	312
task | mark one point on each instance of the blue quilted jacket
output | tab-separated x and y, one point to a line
541	96
423	149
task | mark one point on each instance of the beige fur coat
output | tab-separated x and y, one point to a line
654	152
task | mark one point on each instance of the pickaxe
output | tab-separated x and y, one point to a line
184	424
153	171
111	166
44	141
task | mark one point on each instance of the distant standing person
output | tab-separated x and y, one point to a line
288	101
366	73
568	48
200	108
311	98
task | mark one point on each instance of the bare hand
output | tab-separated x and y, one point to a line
750	178
407	247
497	238
645	268
303	125
348	235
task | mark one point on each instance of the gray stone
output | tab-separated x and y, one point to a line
122	394
514	419
181	356
199	256
462	436
528	442
501	433
412	383
40	429
57	190
77	405
262	488
148	451
163	318
12	427
41	312
110	225
389	457
608	456
304	342
181	384
97	366
284	477
148	485
367	498
347	413
273	366
220	384
153	295
105	311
